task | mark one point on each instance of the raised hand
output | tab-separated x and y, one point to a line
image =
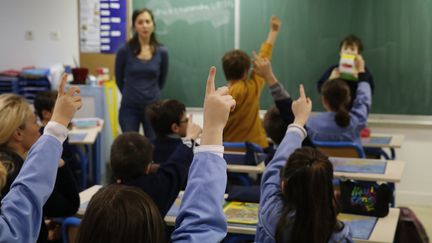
275	23
67	103
334	74
193	130
302	108
217	106
360	64
262	66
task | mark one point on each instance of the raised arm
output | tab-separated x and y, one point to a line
21	208
363	100
201	217
266	48
281	97
270	184
275	24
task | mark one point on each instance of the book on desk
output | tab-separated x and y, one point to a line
77	137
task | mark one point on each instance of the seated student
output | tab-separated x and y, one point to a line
21	207
200	217
277	118
131	158
297	202
244	124
172	127
352	45
18	132
340	123
44	105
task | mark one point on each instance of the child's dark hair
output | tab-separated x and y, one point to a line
274	125
338	95
308	192
119	213
235	64
44	101
131	153
352	40
163	114
134	41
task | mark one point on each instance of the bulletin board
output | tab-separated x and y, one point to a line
103	28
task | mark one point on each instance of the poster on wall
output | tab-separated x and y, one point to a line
102	25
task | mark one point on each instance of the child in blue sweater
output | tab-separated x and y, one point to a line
21	207
340	123
297	202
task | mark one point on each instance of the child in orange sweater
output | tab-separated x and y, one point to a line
244	123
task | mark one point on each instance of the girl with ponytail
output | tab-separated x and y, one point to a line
297	203
340	123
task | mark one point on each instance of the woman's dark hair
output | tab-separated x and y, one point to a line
338	95
308	192
119	213
163	114
131	153
134	41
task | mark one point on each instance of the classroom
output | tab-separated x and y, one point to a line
46	38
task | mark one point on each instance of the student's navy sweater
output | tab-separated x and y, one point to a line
164	185
164	147
140	81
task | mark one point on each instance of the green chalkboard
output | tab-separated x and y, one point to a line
197	33
397	35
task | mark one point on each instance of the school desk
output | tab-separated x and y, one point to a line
381	140
89	138
383	231
85	197
393	171
249	169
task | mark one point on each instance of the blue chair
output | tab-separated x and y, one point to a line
68	222
251	154
245	153
84	161
340	149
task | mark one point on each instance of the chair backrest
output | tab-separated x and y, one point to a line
243	153
69	229
340	149
243	145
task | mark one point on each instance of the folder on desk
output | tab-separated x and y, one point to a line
77	137
378	140
241	212
359	165
361	226
85	122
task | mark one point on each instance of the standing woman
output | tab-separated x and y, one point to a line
141	68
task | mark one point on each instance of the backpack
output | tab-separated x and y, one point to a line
409	228
365	198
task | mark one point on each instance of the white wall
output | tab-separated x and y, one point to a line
41	17
415	187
